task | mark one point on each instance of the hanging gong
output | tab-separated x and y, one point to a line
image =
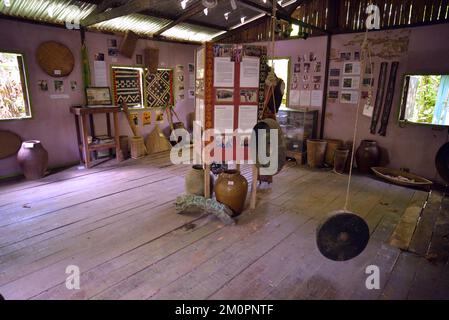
55	59
343	236
267	125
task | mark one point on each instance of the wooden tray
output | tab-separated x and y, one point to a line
55	59
10	143
384	173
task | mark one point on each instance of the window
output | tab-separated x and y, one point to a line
14	96
426	99
127	85
281	69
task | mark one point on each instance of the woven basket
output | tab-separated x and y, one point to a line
137	147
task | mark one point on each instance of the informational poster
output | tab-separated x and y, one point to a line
247	117
100	72
223	72
249	72
146	118
368	110
349	97
316	99
200	64
199	111
191	76
304	98
294	97
224	118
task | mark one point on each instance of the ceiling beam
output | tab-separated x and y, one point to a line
279	15
189	21
149	12
190	11
244	27
130	7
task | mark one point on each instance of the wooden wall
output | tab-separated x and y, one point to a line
343	16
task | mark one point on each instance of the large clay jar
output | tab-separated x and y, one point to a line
367	156
195	181
316	150
332	145
231	189
340	159
33	159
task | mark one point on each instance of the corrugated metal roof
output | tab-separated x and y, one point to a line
60	11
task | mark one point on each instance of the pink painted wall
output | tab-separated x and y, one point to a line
52	123
413	147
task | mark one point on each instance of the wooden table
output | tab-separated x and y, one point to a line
81	116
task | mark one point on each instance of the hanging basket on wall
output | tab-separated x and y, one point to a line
55	59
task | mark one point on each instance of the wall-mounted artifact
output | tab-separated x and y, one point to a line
128	44
10	143
98	96
151	59
55	59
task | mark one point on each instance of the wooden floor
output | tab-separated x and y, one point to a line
119	226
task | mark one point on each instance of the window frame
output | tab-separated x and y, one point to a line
402	121
26	83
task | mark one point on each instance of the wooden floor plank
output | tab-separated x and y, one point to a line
131	244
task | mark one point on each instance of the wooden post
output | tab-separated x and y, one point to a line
118	151
207	194
255	170
86	153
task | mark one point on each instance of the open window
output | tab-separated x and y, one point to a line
281	69
425	100
14	96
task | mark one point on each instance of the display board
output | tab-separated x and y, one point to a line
230	91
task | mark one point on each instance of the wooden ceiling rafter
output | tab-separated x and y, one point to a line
106	4
133	6
189	12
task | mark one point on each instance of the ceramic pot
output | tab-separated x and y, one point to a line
33	159
367	156
332	145
340	159
195	181
316	150
231	189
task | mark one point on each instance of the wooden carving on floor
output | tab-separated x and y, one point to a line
211	206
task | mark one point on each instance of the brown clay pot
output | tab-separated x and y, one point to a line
340	159
332	145
367	156
195	181
33	159
316	150
231	189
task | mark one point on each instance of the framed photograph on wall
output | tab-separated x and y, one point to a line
98	96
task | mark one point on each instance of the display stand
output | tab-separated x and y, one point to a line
229	87
81	114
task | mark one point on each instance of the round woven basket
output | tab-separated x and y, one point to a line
55	59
